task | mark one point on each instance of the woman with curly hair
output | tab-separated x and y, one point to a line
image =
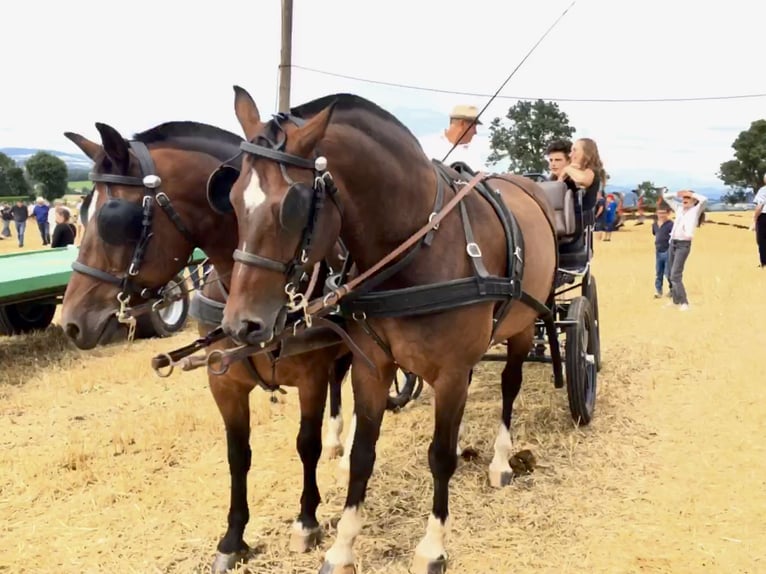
586	170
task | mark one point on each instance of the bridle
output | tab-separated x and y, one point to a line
150	182
322	188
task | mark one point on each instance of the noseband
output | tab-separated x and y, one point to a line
150	182
298	194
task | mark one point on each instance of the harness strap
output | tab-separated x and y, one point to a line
258	261
164	202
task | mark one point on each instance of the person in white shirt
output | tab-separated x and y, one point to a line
463	122
759	223
688	212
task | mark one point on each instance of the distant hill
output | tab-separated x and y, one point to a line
73	160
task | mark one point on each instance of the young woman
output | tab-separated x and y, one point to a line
64	232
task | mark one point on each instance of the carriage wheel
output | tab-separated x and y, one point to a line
26	317
590	292
408	390
580	361
167	321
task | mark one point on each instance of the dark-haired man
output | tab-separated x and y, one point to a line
557	155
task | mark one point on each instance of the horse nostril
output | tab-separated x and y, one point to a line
253	327
71	330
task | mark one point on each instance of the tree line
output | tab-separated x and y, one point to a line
523	135
42	174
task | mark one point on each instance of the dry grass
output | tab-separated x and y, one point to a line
104	467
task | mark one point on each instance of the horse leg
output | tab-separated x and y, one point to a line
500	473
450	394
344	464
312	395
332	440
233	402
370	393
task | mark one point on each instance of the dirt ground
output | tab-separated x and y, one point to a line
106	468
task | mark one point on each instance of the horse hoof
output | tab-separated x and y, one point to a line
469	454
335	451
305	539
225	562
423	565
328	568
500	478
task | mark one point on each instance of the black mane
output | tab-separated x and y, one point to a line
350	102
172	132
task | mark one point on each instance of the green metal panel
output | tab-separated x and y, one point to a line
31	273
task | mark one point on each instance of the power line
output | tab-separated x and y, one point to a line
480	95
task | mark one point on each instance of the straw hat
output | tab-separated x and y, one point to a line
465	112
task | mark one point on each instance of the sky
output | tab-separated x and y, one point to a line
70	63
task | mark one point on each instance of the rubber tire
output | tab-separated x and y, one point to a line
581	378
153	325
413	386
590	292
26	317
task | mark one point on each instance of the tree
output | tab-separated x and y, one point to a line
533	126
748	167
736	196
16	183
50	172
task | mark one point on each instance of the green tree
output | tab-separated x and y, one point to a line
533	126
650	192
16	183
6	164
747	168
50	172
736	196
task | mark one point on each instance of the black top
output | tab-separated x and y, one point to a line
662	235
20	213
63	235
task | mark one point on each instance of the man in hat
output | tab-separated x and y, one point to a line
462	128
759	223
688	212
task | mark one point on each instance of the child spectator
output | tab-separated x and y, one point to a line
610	216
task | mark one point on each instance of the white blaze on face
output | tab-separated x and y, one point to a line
253	195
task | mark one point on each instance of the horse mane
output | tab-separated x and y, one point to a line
172	132
351	103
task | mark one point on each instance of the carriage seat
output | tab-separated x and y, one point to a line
562	201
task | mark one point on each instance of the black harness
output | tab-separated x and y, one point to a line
121	222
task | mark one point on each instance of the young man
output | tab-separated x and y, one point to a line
558	156
661	231
20	215
462	127
687	219
759	223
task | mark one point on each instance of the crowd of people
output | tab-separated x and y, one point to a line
56	217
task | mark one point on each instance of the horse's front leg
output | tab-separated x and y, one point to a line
450	394
370	392
332	441
233	402
312	393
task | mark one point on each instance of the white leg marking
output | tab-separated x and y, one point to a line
459	434
503	448
332	439
253	195
345	460
431	547
341	552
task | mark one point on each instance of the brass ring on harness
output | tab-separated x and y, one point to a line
212	356
158	370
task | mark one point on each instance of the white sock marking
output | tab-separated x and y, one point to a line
253	195
334	429
431	546
345	460
503	449
350	525
459	434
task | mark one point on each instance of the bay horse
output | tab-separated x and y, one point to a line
341	166
180	156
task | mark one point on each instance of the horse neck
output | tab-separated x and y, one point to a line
386	196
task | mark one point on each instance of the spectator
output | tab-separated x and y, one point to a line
686	222
661	230
20	215
7	216
759	223
610	216
40	212
64	232
600	206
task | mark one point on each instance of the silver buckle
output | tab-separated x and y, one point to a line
473	250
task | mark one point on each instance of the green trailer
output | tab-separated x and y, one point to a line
33	283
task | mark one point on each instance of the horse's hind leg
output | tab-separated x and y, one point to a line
312	396
500	473
332	442
233	402
450	394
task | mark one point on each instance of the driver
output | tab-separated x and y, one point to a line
463	120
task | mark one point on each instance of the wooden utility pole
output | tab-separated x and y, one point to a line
286	56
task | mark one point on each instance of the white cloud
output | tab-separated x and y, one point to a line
154	61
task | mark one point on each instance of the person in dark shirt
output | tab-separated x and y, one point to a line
661	230
64	232
20	215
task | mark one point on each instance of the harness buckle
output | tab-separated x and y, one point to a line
517	253
473	250
162	199
152	181
123	317
431	218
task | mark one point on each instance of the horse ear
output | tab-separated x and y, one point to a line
115	146
247	112
305	138
89	148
